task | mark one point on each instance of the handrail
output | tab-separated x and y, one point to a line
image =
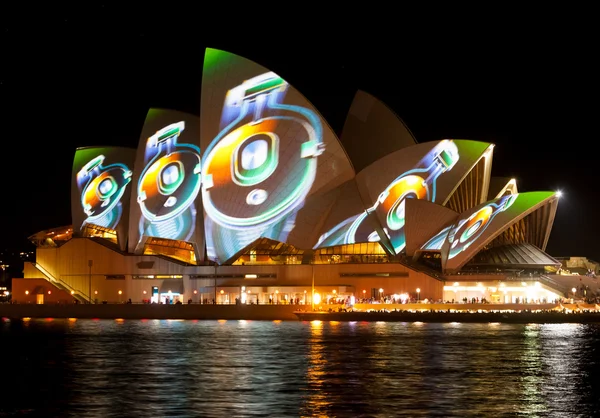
60	282
541	278
554	283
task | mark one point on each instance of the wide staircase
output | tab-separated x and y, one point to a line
61	285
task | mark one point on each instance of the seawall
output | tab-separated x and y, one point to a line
277	312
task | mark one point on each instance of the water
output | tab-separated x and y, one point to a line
88	368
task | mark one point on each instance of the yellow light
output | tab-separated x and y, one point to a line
317	298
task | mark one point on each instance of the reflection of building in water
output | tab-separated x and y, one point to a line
287	220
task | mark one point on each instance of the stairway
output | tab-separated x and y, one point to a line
61	285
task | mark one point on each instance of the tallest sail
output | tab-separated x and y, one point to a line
266	151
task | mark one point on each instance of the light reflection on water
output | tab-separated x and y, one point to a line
101	368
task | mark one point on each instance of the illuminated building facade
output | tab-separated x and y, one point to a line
257	199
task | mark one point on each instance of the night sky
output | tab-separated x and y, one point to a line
87	76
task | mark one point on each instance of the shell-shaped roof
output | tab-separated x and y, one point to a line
100	191
370	121
476	228
165	196
266	150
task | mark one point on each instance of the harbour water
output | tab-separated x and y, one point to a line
159	368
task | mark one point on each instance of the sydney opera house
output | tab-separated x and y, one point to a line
257	199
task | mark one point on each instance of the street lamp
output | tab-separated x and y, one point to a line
216	265
574	290
418	294
312	297
90	264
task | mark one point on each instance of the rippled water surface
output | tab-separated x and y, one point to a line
287	369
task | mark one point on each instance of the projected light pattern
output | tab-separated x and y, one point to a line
347	231
101	189
467	231
418	183
259	169
168	185
436	242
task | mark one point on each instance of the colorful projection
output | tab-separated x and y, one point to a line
436	242
475	227
167	178
265	152
419	182
101	177
348	207
468	230
350	231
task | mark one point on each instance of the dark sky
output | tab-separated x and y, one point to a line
87	76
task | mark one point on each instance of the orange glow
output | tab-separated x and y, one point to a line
482	216
151	181
411	184
91	196
219	167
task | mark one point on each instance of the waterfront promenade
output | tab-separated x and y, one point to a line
413	312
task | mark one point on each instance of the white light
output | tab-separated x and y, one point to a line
559	194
